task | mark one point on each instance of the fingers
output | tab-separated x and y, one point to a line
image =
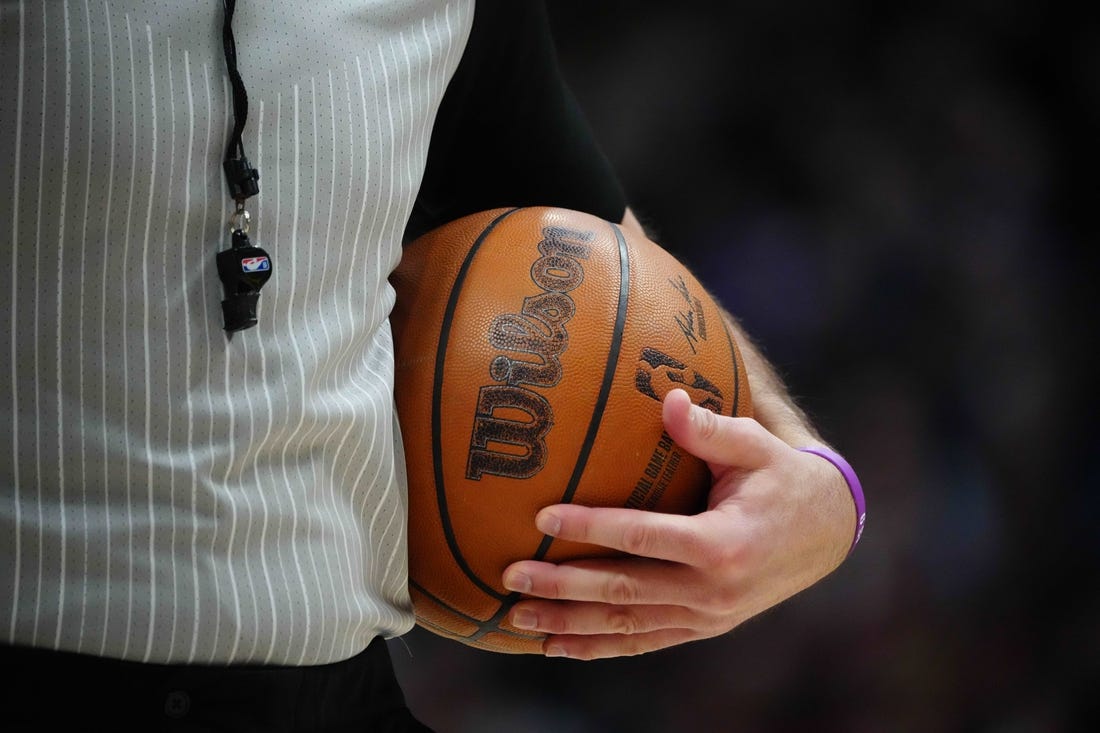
633	581
614	607
603	630
605	646
726	441
599	618
647	534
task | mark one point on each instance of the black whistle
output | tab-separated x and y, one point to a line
243	270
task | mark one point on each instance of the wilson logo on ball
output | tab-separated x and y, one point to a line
512	419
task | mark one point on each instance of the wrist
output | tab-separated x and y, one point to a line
783	419
855	488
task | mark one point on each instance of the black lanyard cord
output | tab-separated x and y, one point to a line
244	267
243	179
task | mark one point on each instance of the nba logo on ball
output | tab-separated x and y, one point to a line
255	264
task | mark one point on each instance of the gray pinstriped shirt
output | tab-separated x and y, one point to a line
167	494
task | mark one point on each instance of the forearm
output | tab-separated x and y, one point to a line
772	404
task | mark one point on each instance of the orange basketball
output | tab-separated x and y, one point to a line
533	349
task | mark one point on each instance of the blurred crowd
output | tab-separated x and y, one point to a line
898	201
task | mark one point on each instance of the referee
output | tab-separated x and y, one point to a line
202	496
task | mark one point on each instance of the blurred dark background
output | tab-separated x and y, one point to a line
899	201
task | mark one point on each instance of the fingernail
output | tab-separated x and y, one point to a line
524	619
518	582
548	523
555	651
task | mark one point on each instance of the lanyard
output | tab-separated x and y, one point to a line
243	268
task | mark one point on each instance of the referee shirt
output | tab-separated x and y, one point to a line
167	494
171	495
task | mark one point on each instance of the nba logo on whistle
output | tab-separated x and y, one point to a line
255	264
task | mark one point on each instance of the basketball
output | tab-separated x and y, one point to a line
533	347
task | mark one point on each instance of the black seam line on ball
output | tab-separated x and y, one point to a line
437	417
492	625
452	634
443	604
736	369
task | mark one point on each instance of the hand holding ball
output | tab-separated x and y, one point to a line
533	349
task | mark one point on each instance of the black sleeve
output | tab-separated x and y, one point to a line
509	132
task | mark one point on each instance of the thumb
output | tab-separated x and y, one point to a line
718	439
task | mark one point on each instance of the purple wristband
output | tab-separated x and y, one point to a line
854	486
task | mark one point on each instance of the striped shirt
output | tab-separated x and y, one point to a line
168	494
